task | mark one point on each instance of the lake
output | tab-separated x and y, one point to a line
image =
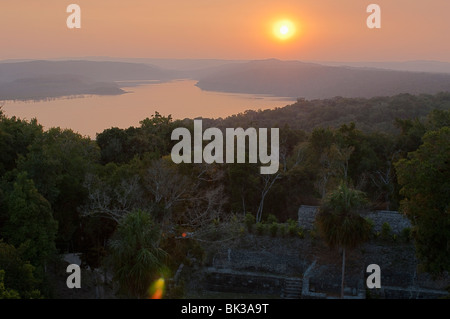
89	115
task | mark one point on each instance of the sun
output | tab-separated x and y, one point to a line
284	29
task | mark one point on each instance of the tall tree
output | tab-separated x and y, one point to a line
340	223
15	137
267	183
30	221
57	162
19	278
242	183
425	180
112	196
136	256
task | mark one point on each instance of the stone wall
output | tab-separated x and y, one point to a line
227	280
282	261
397	221
307	216
310	287
266	265
407	293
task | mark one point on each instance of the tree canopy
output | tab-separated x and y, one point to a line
424	177
119	197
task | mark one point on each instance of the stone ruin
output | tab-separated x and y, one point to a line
396	220
306	268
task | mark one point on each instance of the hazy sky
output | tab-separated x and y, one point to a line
330	30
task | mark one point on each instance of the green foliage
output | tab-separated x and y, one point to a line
273	229
340	223
18	275
242	184
338	220
16	136
56	174
249	221
113	144
271	218
136	257
291	222
4	292
122	145
386	231
300	233
424	177
294	230
57	162
30	222
260	228
369	115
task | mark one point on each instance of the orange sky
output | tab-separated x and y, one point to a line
328	30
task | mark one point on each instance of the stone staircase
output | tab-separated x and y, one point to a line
292	288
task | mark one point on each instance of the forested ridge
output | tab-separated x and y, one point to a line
316	81
375	114
121	201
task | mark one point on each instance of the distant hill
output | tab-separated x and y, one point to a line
54	86
412	66
199	64
49	79
293	79
95	70
313	81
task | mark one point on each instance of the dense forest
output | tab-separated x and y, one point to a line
121	201
377	114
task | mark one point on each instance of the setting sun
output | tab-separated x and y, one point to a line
284	29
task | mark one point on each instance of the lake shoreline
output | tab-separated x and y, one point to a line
91	114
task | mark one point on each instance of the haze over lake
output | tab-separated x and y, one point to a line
182	99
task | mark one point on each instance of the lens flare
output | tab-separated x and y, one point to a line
156	290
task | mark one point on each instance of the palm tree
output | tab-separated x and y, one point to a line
340	223
135	254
